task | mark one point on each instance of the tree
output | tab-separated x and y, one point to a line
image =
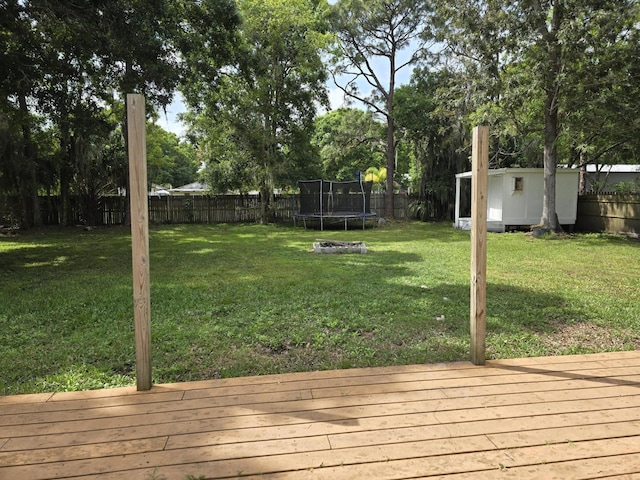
170	161
555	54
478	40
438	140
265	105
548	18
349	140
372	31
566	39
19	158
602	95
66	62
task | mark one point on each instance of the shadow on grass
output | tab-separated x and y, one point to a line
323	325
72	248
248	300
513	310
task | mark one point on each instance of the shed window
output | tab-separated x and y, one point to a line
518	184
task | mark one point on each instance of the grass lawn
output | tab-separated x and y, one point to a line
240	300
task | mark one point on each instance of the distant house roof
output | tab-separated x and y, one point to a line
613	168
605	178
195	187
158	190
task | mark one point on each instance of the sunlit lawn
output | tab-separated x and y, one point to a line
251	299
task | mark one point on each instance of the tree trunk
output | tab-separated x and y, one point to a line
389	210
389	207
549	218
66	169
28	185
267	198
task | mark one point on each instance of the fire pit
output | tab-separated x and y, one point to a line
334	246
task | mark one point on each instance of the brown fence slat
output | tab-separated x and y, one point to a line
111	210
609	213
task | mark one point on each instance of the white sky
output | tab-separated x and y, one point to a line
170	121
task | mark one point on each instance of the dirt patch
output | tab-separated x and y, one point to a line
587	336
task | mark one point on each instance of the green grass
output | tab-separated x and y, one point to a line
251	299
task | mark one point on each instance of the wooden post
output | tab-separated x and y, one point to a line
479	185
456	215
136	131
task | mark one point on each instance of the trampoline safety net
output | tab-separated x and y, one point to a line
325	200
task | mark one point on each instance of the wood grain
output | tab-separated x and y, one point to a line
550	417
479	193
136	130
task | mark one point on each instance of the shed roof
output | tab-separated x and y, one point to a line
502	171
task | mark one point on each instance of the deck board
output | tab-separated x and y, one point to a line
551	417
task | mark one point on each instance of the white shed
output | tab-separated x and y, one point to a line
515	198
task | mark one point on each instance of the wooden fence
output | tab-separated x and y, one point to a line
185	209
609	213
232	209
196	209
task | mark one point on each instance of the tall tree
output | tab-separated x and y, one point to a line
548	17
371	36
477	48
20	47
543	50
65	60
267	103
563	38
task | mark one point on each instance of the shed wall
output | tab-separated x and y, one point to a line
511	203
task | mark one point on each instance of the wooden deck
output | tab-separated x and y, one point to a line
539	418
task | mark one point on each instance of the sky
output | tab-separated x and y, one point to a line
169	121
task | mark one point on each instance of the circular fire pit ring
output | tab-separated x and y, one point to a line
334	246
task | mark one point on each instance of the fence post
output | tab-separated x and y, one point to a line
479	184
136	124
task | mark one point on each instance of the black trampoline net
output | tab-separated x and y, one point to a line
332	198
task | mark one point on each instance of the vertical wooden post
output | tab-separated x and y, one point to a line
136	131
456	216
479	185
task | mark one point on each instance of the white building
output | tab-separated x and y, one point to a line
515	196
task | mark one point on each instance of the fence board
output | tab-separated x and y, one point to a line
609	213
111	210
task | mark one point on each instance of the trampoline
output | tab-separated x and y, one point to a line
327	201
